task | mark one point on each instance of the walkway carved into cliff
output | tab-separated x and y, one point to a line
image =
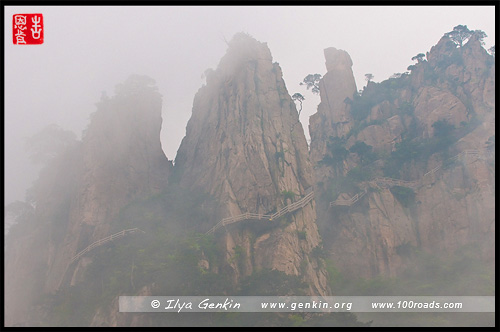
95	245
103	241
390	182
309	195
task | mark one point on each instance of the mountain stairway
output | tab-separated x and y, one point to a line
103	241
390	182
253	216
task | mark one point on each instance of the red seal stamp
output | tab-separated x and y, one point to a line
27	29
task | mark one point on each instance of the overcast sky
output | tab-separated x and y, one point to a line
88	50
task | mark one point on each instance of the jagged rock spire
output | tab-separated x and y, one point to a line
245	146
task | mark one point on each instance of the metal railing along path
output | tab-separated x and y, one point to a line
350	201
103	241
254	216
402	183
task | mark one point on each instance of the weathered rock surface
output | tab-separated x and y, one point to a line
119	160
245	146
454	206
333	117
367	239
122	161
381	137
433	104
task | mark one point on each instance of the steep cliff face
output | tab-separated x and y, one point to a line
365	238
245	146
410	127
471	67
78	196
31	244
457	207
122	161
333	118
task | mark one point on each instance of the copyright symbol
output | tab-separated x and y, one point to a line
155	304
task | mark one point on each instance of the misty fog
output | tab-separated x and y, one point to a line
172	128
88	50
